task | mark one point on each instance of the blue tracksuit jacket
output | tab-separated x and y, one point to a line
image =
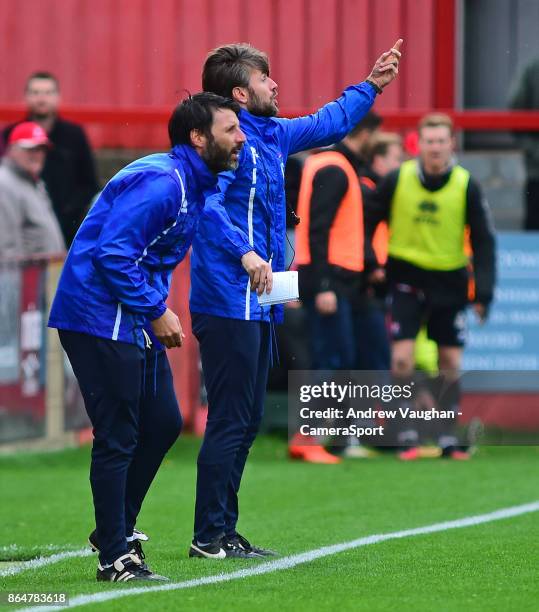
117	273
249	213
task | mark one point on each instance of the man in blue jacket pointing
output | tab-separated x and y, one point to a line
110	304
231	266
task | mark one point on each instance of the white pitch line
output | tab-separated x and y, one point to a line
23	566
293	560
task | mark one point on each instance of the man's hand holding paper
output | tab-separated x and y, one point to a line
285	289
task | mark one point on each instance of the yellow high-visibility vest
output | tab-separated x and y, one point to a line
427	228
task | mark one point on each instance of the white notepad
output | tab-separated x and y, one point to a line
285	289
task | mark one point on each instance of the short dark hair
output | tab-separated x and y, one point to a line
196	113
379	145
370	122
230	66
42	74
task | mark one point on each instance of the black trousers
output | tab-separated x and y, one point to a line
130	400
235	360
531	219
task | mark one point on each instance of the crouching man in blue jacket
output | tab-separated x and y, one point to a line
240	240
110	305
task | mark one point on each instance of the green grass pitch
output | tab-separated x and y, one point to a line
296	507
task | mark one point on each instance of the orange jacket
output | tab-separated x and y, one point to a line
381	235
345	248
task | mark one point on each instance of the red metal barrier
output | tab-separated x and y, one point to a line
481	120
113	127
22	384
126	62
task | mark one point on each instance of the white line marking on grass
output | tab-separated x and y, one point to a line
293	560
22	566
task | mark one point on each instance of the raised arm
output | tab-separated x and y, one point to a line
334	120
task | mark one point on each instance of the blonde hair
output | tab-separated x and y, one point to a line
436	120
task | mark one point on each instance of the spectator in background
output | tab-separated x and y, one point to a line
383	154
428	203
330	246
332	254
292	181
293	349
28	224
69	173
357	142
525	96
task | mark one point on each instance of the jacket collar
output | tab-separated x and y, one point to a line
443	176
196	166
253	125
358	163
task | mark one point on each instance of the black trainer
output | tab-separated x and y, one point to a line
212	550
125	568
234	551
239	542
137	535
135	547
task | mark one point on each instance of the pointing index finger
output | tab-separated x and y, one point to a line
396	47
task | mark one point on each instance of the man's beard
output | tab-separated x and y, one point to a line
40	115
259	108
217	158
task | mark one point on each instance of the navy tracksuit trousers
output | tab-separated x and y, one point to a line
130	399
235	359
